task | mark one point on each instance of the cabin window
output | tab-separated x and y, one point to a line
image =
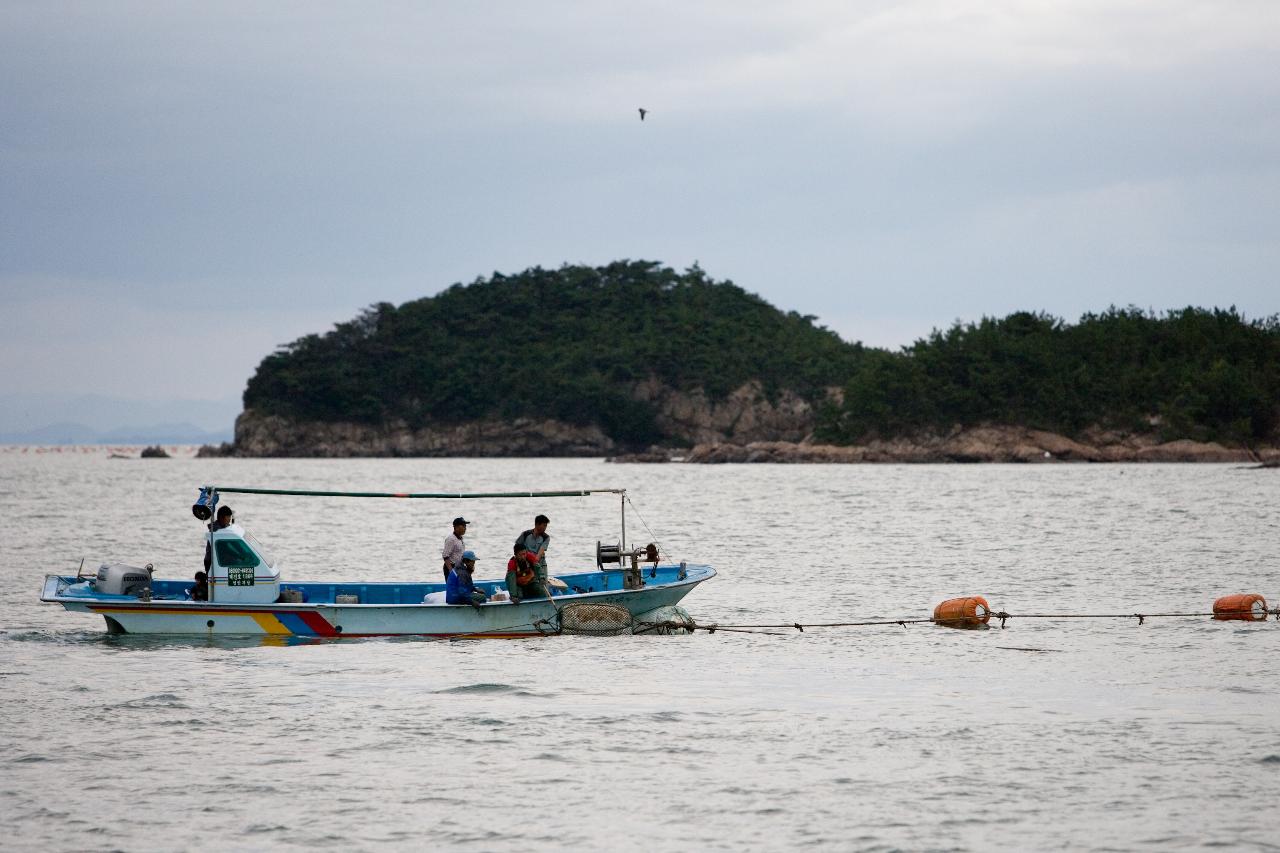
262	552
234	554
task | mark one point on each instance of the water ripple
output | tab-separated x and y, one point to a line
864	739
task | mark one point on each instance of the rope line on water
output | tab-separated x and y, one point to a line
545	627
1002	615
536	625
598	622
548	626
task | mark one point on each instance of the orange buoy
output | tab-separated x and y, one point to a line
970	612
1249	607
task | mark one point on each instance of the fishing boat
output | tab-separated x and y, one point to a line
628	590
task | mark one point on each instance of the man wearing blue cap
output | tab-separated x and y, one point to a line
453	547
460	588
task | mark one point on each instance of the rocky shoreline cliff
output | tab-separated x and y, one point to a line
739	429
745	416
992	443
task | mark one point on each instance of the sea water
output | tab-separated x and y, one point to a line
1049	734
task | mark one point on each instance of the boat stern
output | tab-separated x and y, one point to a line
52	586
73	593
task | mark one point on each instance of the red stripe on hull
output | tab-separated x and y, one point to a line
318	623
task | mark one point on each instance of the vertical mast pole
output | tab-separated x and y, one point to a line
210	586
623	501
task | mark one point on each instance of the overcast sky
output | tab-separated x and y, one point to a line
185	186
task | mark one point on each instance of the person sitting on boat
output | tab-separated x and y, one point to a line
535	540
451	553
461	588
225	519
522	576
200	592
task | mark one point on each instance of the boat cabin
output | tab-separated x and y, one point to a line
242	571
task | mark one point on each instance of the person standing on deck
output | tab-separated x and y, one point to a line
225	519
536	540
451	553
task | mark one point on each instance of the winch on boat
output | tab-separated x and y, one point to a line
631	575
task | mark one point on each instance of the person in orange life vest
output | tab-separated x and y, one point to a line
522	576
537	540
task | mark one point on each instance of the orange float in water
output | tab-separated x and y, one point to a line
970	612
1249	607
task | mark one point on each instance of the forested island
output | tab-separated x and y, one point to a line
637	359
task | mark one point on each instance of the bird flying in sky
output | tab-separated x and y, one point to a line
643	112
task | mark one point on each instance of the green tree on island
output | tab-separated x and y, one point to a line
573	344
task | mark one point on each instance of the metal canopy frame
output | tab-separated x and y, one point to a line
214	491
240	490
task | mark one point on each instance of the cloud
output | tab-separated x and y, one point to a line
870	162
87	337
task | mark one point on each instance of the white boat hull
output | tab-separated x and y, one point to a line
538	617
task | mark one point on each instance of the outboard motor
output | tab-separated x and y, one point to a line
119	579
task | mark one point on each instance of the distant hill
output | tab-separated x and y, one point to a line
592	360
74	433
574	345
59	418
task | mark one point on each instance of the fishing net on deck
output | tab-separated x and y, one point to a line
595	620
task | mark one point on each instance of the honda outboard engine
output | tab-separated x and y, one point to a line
119	579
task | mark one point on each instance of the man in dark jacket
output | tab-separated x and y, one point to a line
225	519
460	588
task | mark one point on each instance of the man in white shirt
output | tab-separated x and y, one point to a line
451	553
